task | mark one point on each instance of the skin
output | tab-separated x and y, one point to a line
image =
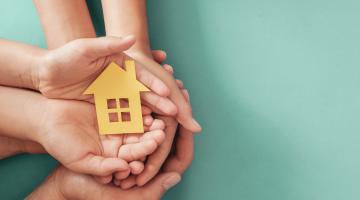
64	15
67	130
65	72
64	184
132	15
67	20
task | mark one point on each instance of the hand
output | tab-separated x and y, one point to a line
64	184
184	114
68	132
155	161
65	73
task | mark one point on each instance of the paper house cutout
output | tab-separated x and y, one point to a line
115	85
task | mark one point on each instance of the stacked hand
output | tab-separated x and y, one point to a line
84	60
61	121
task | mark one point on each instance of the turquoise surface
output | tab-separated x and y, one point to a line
275	85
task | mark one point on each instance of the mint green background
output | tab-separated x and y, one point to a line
275	85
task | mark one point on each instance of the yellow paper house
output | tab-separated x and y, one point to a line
117	99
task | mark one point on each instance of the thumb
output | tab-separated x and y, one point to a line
163	182
95	48
98	165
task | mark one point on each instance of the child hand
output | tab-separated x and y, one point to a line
65	73
133	148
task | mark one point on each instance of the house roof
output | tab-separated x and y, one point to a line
115	80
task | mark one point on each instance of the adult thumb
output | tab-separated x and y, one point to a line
95	48
162	183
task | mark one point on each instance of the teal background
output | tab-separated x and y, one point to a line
275	85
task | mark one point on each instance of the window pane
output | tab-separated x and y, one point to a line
125	116
111	103
113	117
124	102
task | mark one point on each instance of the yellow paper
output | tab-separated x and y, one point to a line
114	83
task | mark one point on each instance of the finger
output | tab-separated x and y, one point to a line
130	152
136	167
157	125
169	68
184	153
157	135
160	104
159	55
145	110
180	83
184	117
128	183
116	182
152	82
186	94
103	179
156	159
122	175
131	138
163	182
95	48
98	165
148	120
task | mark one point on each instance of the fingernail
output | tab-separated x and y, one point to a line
164	52
171	181
196	124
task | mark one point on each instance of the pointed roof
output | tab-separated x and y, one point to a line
116	81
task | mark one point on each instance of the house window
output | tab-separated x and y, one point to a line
118	110
125	116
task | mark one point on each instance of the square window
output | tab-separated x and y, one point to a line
111	103
113	117
124	102
125	116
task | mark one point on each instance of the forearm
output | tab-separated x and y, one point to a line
49	189
128	17
18	64
12	146
21	112
64	20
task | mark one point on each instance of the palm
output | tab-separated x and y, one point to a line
71	136
68	78
70	131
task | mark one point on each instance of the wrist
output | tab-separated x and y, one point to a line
48	190
37	62
35	109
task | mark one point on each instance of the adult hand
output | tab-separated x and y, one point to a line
65	72
155	161
68	131
184	114
65	184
